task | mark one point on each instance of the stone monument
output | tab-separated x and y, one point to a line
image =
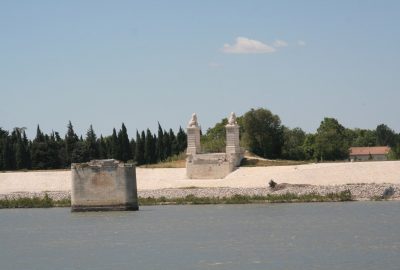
103	185
214	165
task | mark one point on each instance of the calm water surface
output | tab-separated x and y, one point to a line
362	235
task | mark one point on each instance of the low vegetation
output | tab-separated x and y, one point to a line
250	162
243	199
47	202
35	202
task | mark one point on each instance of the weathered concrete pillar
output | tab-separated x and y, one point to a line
193	137
233	150
103	185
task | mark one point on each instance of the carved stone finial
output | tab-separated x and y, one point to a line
232	119
193	121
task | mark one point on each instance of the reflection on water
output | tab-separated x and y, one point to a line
362	235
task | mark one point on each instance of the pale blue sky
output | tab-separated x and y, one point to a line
139	62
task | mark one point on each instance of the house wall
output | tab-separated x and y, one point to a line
367	157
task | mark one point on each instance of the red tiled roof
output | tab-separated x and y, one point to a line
363	151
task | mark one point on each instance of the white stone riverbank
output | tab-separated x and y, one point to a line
358	191
364	179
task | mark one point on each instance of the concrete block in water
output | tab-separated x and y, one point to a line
103	185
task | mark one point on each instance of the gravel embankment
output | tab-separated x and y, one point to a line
359	191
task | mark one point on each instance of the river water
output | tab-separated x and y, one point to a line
358	235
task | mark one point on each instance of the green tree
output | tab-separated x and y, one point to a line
309	147
39	151
263	133
173	143
139	151
167	151
133	148
102	148
293	144
149	148
115	147
125	148
80	153
160	156
361	137
181	141
215	138
385	136
331	141
70	141
92	146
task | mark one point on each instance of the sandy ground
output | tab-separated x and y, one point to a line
245	177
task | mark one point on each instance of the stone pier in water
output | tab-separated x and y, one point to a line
103	185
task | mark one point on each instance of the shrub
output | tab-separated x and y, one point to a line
272	184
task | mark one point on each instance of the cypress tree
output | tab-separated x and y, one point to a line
7	153
167	145
52	154
80	153
125	149
70	141
149	148
22	155
139	151
3	134
160	145
102	148
173	143
181	140
133	148
91	144
115	146
39	151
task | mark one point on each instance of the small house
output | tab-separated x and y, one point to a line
377	153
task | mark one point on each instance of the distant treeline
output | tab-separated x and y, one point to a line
261	132
51	151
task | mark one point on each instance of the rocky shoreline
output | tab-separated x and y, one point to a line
358	191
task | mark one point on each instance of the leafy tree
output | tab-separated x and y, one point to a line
215	138
309	147
361	137
293	144
263	133
330	141
385	136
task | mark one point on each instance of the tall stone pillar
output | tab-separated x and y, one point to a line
193	137
233	150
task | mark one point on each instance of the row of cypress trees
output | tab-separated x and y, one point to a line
50	151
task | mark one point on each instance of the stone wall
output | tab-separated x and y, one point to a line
102	185
215	165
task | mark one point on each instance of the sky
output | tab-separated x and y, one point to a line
143	62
